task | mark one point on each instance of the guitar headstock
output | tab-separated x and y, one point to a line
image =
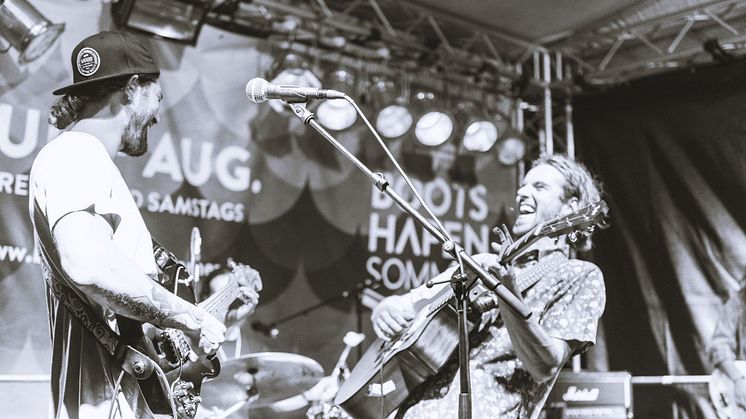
582	221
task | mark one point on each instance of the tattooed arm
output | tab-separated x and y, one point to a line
108	277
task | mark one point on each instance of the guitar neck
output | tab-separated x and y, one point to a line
218	303
515	248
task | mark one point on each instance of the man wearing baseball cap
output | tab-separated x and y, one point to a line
90	232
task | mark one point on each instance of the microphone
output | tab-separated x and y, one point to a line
259	90
265	329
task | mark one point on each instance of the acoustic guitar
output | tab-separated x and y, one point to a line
388	371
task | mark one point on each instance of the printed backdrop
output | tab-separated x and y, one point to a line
261	187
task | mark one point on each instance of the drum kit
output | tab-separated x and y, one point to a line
273	380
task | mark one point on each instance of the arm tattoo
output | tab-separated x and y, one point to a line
161	308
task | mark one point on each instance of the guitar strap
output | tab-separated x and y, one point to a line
74	303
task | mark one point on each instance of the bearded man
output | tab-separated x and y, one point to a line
84	214
513	361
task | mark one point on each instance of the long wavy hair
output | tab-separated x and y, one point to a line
68	108
580	184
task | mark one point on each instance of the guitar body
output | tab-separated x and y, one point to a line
171	349
388	371
183	375
722	393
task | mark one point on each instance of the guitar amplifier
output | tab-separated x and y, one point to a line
591	395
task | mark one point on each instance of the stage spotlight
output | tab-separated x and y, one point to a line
511	149
394	118
434	127
177	20
481	130
338	115
293	70
26	30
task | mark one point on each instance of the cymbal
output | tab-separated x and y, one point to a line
263	377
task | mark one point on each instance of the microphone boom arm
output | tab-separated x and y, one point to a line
456	251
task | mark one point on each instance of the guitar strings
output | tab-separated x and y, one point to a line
212	302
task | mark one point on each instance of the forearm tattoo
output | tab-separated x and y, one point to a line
161	308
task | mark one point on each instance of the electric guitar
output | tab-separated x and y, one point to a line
389	371
171	349
722	393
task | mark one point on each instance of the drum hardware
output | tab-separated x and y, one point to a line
258	380
324	407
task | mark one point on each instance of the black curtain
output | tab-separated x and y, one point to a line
671	152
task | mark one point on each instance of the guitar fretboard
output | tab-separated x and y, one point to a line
218	303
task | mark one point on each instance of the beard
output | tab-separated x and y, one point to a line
135	136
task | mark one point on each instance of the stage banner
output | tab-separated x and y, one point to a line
262	188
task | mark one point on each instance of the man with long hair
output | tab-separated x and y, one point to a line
83	213
514	362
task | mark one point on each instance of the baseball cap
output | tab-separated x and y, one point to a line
107	55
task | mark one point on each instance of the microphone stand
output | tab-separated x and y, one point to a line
461	284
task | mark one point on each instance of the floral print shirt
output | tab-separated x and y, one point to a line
567	297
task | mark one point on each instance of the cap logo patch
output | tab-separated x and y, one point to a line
88	61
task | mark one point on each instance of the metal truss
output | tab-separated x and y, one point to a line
645	41
402	34
409	37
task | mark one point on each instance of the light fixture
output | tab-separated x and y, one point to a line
480	129
394	119
434	126
292	69
338	115
177	20
26	30
511	148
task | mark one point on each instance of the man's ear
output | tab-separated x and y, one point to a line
131	87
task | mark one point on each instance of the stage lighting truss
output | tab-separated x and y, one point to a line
26	30
338	114
434	126
394	119
177	20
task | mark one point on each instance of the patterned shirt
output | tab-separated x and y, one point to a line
567	297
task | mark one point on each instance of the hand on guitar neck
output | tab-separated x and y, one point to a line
249	285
